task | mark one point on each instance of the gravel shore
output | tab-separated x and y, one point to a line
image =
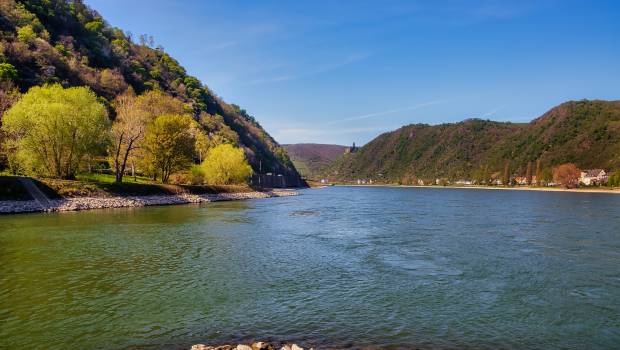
85	203
254	346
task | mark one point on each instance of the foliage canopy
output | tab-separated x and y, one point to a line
53	129
226	165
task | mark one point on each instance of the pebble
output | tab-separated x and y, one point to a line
255	346
84	203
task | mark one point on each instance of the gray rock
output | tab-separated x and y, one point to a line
201	347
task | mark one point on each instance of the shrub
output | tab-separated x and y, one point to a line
226	165
197	175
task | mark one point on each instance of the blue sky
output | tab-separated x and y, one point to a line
346	71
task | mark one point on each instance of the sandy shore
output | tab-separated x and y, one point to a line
85	203
516	188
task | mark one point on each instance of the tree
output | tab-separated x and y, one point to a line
481	175
538	172
567	175
546	176
506	174
225	165
53	129
8	73
133	114
127	131
156	103
170	144
528	174
614	179
8	96
26	35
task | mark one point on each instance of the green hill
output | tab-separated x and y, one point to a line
311	158
583	132
66	42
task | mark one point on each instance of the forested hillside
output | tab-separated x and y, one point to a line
311	158
68	43
586	133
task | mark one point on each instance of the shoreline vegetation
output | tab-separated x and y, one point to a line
481	187
28	195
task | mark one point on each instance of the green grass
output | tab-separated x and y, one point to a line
103	185
109	178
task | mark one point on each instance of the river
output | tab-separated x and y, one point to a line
334	267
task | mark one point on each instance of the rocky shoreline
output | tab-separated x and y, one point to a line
254	346
86	203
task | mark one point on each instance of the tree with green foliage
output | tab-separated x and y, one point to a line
481	175
170	144
225	165
528	174
546	176
8	73
26	34
506	174
133	114
53	129
8	96
614	179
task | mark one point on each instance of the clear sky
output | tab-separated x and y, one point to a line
346	71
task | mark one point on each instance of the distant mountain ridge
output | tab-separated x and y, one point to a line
310	158
586	133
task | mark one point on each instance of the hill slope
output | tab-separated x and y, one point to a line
584	132
310	158
62	41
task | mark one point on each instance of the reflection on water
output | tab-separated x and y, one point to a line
359	266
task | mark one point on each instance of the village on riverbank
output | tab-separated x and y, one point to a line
566	177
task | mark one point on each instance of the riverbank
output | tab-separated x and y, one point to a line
86	203
254	346
516	188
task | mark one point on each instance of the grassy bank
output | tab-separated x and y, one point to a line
103	185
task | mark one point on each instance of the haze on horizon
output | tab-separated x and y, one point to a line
343	72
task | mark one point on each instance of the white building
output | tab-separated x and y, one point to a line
593	177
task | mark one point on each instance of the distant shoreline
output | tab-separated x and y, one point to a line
524	188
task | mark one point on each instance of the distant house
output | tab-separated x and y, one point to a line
521	180
463	182
593	177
